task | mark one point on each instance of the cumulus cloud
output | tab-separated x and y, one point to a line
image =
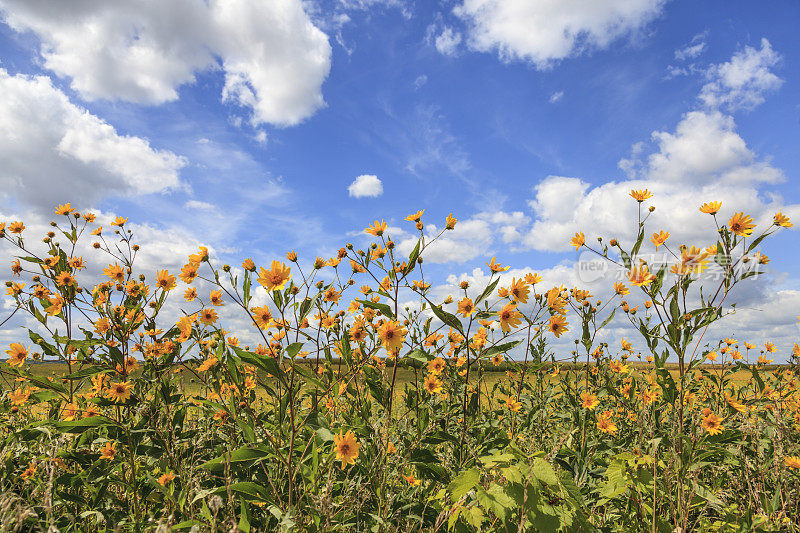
556	97
472	237
273	57
542	32
759	316
366	185
161	247
706	148
703	159
52	150
742	82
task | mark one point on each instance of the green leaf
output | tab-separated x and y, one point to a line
496	500
85	372
446	317
307	305
609	319
639	240
756	242
419	356
412	259
474	516
500	348
246	288
708	495
244	454
626	259
79	426
293	349
655	287
543	471
244	519
248	490
383	308
309	377
432	471
487	291
43	383
265	363
463	483
47	348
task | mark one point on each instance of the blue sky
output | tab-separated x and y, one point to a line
469	107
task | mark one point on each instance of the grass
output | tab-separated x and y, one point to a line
407	376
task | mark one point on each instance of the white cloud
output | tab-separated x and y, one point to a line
706	148
421	80
430	144
197	204
447	42
52	151
556	97
545	31
696	47
760	314
274	59
163	247
471	238
366	185
404	5
674	72
690	52
741	82
705	159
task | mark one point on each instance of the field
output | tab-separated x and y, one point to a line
407	376
129	406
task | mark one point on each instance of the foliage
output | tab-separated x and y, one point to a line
164	422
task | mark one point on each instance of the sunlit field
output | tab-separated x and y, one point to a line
266	397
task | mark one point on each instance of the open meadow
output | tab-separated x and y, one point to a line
399	266
363	415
